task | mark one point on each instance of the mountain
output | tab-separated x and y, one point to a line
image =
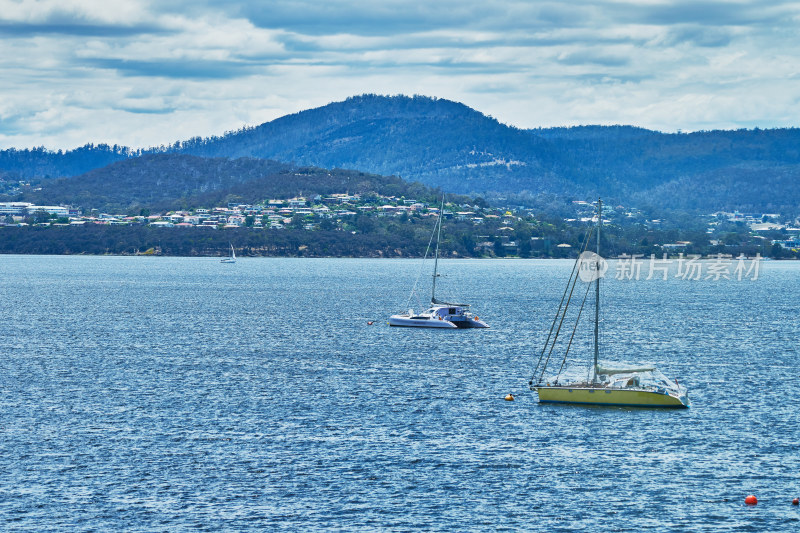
178	181
446	144
707	170
39	163
437	142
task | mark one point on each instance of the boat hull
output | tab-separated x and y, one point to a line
616	397
408	322
470	323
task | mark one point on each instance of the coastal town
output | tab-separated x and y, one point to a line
499	231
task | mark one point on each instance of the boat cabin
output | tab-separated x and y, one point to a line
445	312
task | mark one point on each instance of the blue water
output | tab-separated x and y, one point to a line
169	394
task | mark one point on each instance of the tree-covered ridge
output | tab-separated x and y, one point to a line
446	144
706	171
161	182
438	142
39	163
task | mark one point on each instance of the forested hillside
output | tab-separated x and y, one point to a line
446	144
750	170
437	142
38	163
176	181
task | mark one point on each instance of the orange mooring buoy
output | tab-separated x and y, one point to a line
751	500
796	501
509	397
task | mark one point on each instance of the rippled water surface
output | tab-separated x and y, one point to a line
167	394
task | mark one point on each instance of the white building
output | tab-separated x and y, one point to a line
51	209
14	208
22	208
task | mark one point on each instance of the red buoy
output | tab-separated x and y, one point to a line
796	501
751	500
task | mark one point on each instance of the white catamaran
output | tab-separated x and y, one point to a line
627	385
440	314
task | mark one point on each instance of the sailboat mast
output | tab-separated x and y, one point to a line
436	255
597	291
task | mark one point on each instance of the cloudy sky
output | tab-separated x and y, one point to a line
143	73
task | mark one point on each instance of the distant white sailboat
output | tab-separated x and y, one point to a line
441	314
231	258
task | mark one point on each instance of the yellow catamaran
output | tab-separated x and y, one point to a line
639	386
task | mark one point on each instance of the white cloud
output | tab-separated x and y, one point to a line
39	11
142	74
